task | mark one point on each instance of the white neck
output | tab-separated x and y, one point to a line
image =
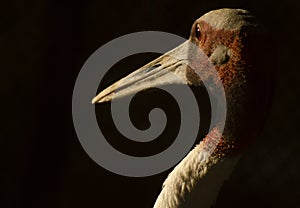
196	180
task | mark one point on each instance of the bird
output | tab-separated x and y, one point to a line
240	49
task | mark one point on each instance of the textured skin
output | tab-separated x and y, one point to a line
245	76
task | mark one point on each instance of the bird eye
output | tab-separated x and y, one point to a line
198	32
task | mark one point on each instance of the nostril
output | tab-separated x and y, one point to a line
152	67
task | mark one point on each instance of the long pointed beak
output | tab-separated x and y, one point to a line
165	70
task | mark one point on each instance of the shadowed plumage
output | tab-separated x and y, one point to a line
239	49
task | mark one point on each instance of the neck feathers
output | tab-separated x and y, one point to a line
196	180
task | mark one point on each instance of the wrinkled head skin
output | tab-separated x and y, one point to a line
241	52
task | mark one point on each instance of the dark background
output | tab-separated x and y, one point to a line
43	47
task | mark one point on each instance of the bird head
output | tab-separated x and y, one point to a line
236	45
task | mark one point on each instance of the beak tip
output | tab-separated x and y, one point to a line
94	101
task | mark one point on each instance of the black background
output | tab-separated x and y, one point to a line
43	47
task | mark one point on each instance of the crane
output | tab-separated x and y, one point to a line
240	50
